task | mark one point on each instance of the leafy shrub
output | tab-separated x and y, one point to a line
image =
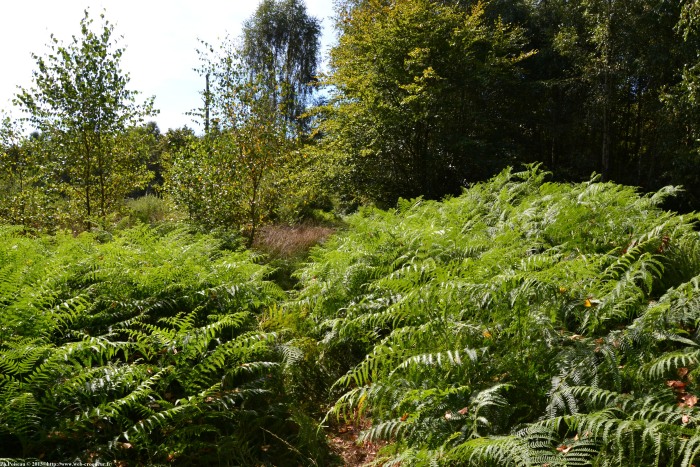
151	209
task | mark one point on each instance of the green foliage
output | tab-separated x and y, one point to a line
81	105
229	180
407	115
143	350
426	96
244	172
24	201
521	323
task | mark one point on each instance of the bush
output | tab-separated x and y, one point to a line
151	209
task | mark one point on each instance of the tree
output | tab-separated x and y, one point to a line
281	51
231	177
425	97
81	103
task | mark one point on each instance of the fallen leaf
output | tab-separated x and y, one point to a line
564	448
675	384
463	411
682	372
689	400
685	419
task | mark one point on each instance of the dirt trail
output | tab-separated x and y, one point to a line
343	440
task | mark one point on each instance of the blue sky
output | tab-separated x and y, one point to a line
160	38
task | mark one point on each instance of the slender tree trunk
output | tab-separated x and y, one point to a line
605	147
638	140
102	169
207	104
88	170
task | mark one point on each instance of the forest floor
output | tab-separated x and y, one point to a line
343	441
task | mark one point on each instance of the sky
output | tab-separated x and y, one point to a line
160	36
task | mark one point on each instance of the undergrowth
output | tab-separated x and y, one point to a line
143	350
521	323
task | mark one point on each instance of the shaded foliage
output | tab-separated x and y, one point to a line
427	96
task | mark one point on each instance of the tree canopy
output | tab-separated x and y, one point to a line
281	51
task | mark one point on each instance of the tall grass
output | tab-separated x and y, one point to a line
291	241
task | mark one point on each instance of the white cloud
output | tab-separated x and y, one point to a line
160	38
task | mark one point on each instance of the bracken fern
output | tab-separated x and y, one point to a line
522	323
143	349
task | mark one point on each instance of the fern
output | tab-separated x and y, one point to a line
138	350
567	287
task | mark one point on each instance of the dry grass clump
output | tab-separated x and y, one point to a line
288	241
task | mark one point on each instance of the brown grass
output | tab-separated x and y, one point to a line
285	241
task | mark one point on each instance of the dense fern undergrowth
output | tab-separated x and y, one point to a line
141	350
521	323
